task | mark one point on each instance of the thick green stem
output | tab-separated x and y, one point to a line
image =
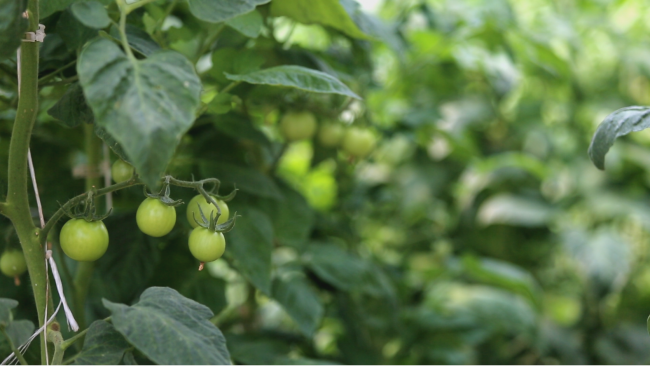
17	206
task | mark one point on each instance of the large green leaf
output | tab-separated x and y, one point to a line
146	105
251	244
12	26
336	266
103	345
73	33
249	24
326	12
170	329
92	14
49	7
293	292
618	123
296	77
293	219
71	110
219	11
139	40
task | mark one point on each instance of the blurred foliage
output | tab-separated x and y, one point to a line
478	231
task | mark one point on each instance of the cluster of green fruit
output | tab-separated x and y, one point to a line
301	125
87	240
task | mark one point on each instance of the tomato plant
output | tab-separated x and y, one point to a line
330	134
12	263
400	182
84	241
121	171
199	204
358	142
206	245
155	218
297	126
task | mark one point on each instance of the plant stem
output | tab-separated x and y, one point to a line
84	274
56	72
16	352
123	38
17	206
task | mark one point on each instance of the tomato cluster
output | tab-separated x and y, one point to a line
87	239
356	141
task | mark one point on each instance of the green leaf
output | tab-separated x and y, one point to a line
618	123
19	331
206	290
12	26
255	350
509	209
103	345
138	39
251	244
230	60
5	309
170	329
240	128
71	110
293	292
326	12
220	104
336	266
73	32
219	11
249	24
293	219
146	105
296	77
92	14
49	7
247	179
111	142
374	27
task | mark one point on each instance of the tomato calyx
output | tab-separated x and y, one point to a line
163	195
211	224
86	210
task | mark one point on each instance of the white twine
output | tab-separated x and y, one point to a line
12	359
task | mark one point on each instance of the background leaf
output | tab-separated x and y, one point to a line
92	14
12	26
296	77
618	123
302	304
215	12
326	12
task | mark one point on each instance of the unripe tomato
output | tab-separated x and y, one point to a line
206	245
298	126
330	134
84	241
155	218
121	171
358	142
12	263
206	207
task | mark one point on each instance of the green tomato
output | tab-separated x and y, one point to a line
206	245
298	126
12	263
330	134
155	218
121	171
206	207
84	241
358	142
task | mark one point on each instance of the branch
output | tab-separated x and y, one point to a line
134	181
